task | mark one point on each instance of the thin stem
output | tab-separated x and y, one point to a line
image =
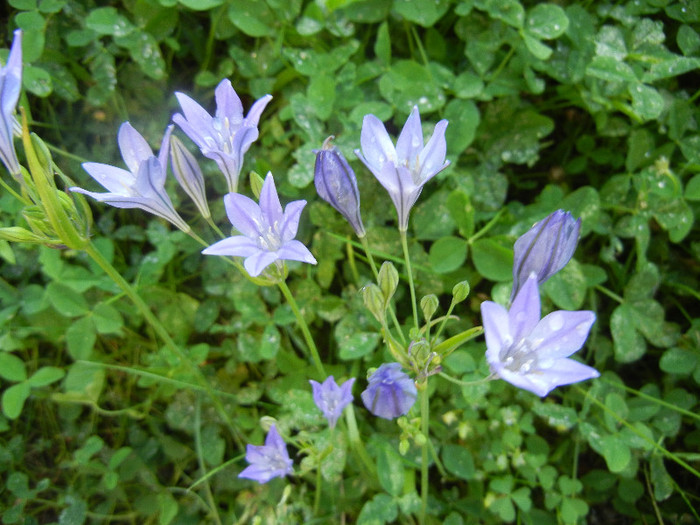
304	328
609	293
652	398
425	430
163	334
467	383
317	496
444	320
411	286
486	227
200	458
356	440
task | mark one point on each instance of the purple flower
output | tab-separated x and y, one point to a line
189	175
227	135
268	233
10	85
331	399
390	392
530	352
337	185
142	186
545	248
267	461
403	170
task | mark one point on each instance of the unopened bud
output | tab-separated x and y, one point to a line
374	301
460	291
388	281
429	304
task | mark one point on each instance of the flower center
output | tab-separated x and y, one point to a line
269	238
519	357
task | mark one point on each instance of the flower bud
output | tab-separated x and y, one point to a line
374	301
545	249
460	292
429	304
388	281
337	185
390	392
188	175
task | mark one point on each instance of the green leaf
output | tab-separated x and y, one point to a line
321	95
458	461
75	513
13	399
45	376
660	479
422	12
80	338
568	287
462	211
447	254
382	46
253	17
12	368
390	470
629	344
617	454
537	48
269	342
678	361
37	80
108	21
647	102
493	260
573	509
201	5
467	85
464	118
509	11
92	446
145	51
380	509
546	21
66	301
692	189
107	319
670	68
408	84
688	39
83	382
610	69
357	345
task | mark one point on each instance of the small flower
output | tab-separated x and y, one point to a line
143	185
227	135
267	461
530	352
10	85
189	175
268	233
545	248
390	392
337	185
403	170
331	399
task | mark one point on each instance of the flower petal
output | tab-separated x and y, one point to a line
133	146
496	330
377	147
11	76
257	262
244	213
561	333
410	141
237	246
295	251
524	313
432	158
290	223
116	180
270	202
256	110
228	103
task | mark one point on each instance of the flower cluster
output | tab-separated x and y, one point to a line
529	352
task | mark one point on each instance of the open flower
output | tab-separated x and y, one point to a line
390	393
530	352
10	85
268	233
545	249
337	185
403	170
331	399
142	186
227	135
267	461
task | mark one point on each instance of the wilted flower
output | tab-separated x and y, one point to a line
227	135
331	399
188	174
337	185
390	392
545	248
403	170
267	461
10	85
268	233
143	185
530	352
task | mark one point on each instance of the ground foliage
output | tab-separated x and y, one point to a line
590	107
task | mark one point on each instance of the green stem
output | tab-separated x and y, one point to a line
317	496
356	440
411	286
304	328
425	430
200	458
163	334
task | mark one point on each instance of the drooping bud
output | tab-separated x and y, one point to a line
337	185
188	175
390	393
545	248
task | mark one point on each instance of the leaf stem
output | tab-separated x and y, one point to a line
411	286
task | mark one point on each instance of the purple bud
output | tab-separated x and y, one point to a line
189	175
545	249
337	185
331	399
390	392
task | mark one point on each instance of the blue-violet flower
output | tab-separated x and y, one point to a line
337	185
143	185
390	392
226	136
10	85
188	175
545	249
331	399
267	461
530	352
403	170
268	233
